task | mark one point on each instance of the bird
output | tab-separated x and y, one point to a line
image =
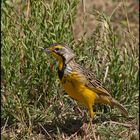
79	83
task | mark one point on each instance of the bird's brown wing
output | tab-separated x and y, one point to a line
92	83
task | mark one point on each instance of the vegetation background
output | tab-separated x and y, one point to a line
103	34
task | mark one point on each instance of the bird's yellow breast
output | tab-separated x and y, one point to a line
77	90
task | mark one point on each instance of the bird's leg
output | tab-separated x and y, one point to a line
91	114
85	127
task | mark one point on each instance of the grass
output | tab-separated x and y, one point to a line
34	106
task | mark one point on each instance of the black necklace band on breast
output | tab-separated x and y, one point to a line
61	72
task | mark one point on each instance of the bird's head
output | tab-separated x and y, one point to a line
61	52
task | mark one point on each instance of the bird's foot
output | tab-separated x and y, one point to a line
81	131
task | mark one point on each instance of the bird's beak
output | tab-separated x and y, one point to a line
47	50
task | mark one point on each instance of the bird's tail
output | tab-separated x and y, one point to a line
119	106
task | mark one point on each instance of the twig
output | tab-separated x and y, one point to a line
106	72
45	131
5	124
123	124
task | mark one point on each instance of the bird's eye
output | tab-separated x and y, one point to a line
56	49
